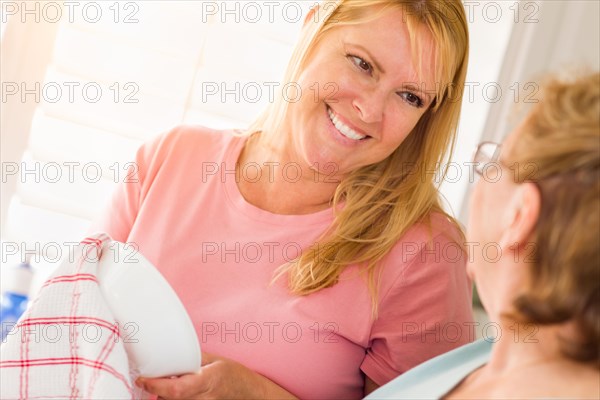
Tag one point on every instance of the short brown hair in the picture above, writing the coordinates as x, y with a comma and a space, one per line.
559, 150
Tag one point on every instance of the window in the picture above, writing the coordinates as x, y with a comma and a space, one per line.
84, 83
117, 74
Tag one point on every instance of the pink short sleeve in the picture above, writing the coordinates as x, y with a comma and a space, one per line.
426, 310
118, 217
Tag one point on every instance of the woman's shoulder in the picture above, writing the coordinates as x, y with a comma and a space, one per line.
194, 135
429, 261
440, 225
437, 232
186, 143
181, 148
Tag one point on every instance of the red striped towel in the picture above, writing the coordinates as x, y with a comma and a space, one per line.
67, 344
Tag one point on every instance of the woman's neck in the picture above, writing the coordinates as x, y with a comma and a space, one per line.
527, 362
521, 344
271, 177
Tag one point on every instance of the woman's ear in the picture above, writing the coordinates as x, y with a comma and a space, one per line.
523, 213
311, 13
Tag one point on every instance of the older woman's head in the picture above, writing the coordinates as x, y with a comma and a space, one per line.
542, 213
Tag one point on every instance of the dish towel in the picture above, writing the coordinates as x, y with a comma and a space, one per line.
67, 344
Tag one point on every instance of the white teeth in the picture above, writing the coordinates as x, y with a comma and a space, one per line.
344, 130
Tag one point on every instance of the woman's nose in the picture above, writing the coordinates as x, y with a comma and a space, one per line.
369, 105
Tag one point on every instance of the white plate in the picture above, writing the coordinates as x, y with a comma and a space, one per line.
157, 332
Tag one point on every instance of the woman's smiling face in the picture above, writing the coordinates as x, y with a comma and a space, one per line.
361, 94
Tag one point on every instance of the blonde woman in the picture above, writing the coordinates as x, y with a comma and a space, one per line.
543, 293
307, 249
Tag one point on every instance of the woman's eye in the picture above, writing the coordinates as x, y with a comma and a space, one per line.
360, 63
412, 99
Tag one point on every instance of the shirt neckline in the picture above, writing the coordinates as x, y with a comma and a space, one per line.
234, 196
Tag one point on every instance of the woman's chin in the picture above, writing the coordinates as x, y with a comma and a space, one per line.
325, 163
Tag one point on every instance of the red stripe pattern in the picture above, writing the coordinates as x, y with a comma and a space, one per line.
68, 345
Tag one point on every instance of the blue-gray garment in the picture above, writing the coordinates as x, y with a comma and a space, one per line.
435, 378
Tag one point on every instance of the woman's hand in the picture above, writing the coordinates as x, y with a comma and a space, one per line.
219, 378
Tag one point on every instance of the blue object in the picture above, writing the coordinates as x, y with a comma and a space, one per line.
12, 307
14, 299
437, 377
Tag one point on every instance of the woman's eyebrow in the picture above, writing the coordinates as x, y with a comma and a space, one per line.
415, 88
410, 86
373, 59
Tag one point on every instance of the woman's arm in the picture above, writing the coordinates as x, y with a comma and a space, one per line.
426, 305
220, 378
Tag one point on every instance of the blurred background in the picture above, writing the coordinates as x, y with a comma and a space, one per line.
84, 83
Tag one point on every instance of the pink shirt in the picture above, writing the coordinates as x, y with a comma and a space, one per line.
219, 253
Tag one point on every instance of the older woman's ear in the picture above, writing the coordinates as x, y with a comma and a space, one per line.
522, 214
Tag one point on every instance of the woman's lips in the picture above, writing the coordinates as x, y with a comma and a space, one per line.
348, 134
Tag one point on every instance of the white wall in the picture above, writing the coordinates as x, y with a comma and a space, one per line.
564, 36
490, 27
511, 42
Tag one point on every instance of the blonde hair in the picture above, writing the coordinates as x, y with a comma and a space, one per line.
382, 201
559, 149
